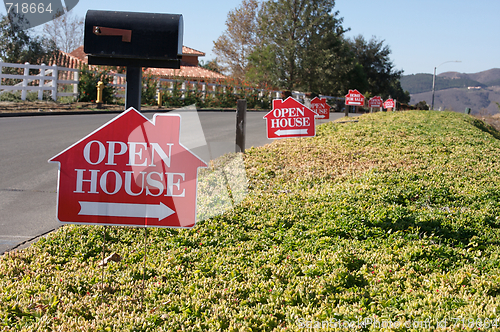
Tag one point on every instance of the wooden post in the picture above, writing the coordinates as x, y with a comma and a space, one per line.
183, 89
76, 78
241, 115
24, 91
55, 77
346, 108
42, 81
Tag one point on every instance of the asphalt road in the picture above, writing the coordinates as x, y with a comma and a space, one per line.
28, 183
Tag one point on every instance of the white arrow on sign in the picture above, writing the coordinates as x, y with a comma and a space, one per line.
160, 211
291, 132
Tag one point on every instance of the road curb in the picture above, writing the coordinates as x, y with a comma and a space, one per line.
43, 113
27, 243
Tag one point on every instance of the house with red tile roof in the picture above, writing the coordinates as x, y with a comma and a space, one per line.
189, 70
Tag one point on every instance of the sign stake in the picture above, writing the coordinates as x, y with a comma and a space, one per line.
144, 263
102, 263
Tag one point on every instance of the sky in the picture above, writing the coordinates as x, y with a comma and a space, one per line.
421, 34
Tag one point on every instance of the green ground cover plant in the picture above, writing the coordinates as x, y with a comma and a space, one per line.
393, 219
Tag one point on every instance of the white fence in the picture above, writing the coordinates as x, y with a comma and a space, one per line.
169, 86
48, 80
207, 88
120, 84
46, 73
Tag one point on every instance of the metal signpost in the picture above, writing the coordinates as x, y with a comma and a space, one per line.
131, 171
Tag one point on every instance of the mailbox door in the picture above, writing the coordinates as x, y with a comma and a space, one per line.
128, 38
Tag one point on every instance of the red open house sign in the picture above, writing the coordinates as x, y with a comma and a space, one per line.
290, 118
320, 106
130, 172
375, 102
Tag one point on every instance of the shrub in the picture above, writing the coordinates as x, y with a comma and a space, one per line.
422, 105
87, 87
148, 94
10, 96
30, 96
224, 97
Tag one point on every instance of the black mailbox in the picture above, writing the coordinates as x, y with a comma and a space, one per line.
133, 39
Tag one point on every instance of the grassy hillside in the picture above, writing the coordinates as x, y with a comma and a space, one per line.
394, 218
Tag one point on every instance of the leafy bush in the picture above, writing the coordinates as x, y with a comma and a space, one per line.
422, 105
173, 98
10, 96
223, 97
30, 96
87, 87
148, 94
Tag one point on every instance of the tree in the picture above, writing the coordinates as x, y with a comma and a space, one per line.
238, 40
66, 32
329, 69
212, 65
380, 77
422, 105
397, 92
18, 46
299, 45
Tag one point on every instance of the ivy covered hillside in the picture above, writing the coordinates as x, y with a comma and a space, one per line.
394, 219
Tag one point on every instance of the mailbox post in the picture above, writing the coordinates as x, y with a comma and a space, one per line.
134, 88
133, 40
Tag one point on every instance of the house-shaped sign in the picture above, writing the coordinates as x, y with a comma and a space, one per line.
129, 172
320, 106
375, 102
354, 98
389, 103
290, 118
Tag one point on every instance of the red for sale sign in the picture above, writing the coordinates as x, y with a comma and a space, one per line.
354, 98
130, 172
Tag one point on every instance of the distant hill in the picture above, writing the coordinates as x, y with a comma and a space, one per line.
487, 77
419, 83
458, 99
456, 91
